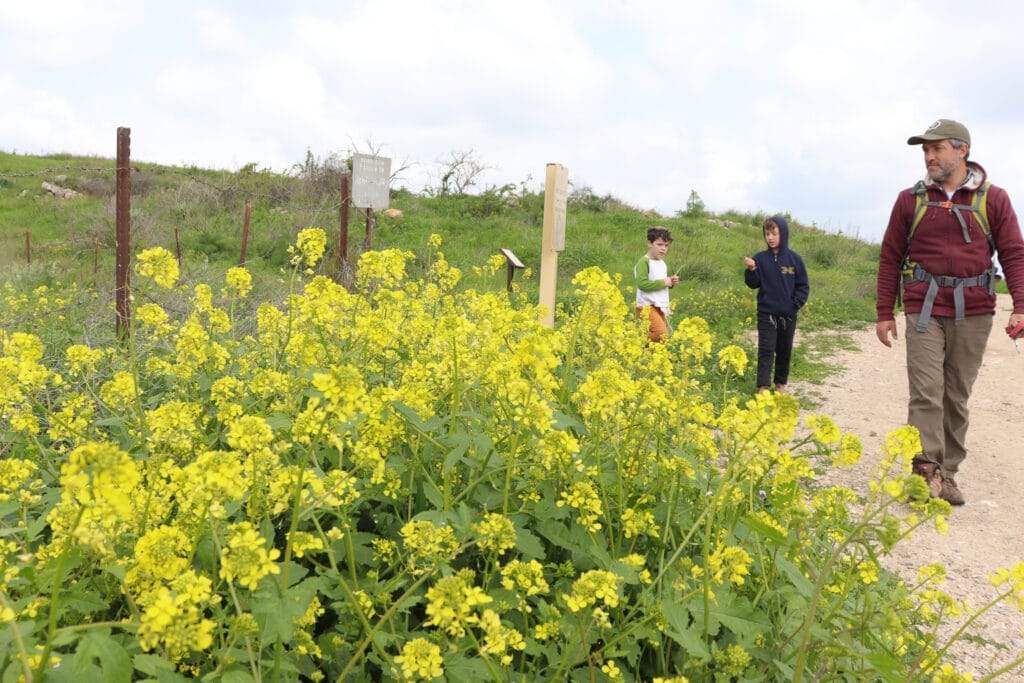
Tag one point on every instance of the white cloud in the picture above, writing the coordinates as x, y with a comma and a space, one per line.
67, 31
793, 106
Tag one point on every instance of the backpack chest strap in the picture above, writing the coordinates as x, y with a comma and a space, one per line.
956, 209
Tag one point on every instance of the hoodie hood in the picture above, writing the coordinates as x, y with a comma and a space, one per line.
975, 177
783, 232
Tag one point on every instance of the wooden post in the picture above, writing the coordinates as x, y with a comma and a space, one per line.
556, 192
123, 236
28, 248
177, 246
95, 255
245, 232
346, 200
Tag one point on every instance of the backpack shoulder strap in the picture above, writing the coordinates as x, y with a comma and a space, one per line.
980, 208
921, 204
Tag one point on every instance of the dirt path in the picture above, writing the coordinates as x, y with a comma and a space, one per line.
868, 397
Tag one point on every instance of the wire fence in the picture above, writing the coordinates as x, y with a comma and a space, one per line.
326, 189
233, 188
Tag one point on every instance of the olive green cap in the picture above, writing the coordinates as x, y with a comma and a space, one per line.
943, 129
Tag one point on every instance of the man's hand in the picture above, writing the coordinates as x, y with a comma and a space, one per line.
1015, 318
886, 329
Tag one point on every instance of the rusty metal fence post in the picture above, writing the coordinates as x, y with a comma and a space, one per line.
123, 237
346, 200
245, 233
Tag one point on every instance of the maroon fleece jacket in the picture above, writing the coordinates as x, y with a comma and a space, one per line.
938, 246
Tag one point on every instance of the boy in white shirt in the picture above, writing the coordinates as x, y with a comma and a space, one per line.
653, 283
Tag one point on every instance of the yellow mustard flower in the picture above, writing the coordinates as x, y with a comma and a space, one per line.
732, 357
239, 282
497, 533
245, 556
592, 587
158, 264
420, 660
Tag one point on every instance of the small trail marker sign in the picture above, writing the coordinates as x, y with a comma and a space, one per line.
370, 178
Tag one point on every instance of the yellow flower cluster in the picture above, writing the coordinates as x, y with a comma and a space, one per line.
99, 496
526, 578
497, 533
158, 264
730, 562
453, 601
584, 499
733, 358
174, 618
245, 556
732, 661
594, 586
636, 522
420, 660
239, 282
22, 378
428, 544
309, 248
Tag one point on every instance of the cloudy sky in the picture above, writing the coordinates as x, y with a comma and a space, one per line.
799, 106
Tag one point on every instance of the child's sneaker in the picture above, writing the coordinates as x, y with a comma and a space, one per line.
932, 475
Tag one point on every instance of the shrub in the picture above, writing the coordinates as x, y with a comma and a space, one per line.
97, 186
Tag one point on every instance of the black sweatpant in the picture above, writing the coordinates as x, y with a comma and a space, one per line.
774, 346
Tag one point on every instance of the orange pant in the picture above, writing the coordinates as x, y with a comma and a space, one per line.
656, 317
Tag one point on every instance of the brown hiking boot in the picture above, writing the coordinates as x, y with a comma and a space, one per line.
951, 492
929, 471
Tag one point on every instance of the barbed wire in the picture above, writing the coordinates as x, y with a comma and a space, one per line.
221, 189
54, 169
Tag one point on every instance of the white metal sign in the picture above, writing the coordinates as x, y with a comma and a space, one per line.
370, 176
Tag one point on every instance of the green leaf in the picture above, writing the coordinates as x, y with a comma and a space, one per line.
761, 527
237, 674
459, 668
431, 424
85, 603
682, 629
528, 544
795, 576
458, 445
887, 666
431, 493
277, 613
741, 618
568, 538
114, 662
279, 422
156, 667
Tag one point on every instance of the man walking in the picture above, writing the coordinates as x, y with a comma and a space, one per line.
938, 247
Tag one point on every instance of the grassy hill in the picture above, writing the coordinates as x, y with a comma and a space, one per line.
202, 210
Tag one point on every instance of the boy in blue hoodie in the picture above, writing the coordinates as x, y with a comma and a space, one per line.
780, 278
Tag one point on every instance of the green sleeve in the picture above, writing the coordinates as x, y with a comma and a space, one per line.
642, 273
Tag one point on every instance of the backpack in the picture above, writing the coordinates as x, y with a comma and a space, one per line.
910, 271
979, 208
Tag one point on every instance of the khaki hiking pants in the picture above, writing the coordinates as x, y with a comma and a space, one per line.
942, 364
